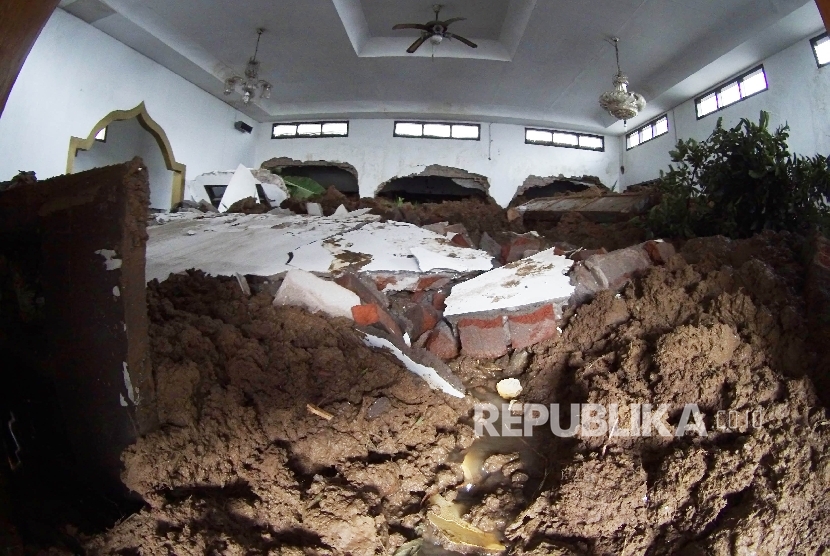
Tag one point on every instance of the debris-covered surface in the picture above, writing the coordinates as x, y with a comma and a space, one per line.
251, 462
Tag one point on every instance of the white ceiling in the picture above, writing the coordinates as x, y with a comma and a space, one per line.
539, 62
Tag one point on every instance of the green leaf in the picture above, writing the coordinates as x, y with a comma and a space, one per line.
302, 187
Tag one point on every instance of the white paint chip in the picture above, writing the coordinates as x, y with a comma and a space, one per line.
132, 393
116, 291
537, 279
110, 262
430, 375
303, 289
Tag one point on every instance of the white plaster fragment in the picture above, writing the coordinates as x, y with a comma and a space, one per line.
314, 209
341, 211
242, 185
110, 262
116, 291
122, 400
536, 279
132, 393
430, 375
303, 289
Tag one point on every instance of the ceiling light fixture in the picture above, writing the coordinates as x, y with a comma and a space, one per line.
621, 103
248, 85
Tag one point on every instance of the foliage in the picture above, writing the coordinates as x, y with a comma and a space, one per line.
741, 181
302, 188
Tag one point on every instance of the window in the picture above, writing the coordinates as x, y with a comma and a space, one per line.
651, 130
821, 49
556, 138
437, 130
748, 84
102, 135
310, 129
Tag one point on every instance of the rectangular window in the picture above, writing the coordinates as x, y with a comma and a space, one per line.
310, 129
570, 139
736, 90
102, 135
821, 49
651, 130
437, 130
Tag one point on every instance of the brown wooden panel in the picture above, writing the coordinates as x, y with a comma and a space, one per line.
824, 8
20, 24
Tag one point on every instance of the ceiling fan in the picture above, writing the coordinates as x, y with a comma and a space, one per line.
435, 31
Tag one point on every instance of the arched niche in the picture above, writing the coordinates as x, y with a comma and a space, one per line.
175, 171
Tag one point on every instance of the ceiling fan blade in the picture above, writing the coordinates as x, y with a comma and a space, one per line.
419, 26
452, 20
415, 45
468, 42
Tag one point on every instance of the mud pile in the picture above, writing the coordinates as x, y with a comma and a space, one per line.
242, 465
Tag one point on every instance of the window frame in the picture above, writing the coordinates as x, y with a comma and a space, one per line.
726, 84
563, 145
813, 43
642, 127
321, 136
423, 123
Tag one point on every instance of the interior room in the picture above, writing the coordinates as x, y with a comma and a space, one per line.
403, 277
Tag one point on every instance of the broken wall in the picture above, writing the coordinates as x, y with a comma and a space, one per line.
797, 95
500, 155
75, 75
74, 306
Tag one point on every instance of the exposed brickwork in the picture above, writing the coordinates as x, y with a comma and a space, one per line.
659, 251
365, 289
516, 247
531, 328
485, 338
442, 342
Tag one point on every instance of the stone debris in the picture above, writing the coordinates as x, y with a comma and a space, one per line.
509, 388
305, 290
314, 209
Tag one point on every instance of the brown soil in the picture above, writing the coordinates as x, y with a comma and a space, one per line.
242, 467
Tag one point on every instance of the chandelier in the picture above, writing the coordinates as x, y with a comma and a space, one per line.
248, 85
621, 103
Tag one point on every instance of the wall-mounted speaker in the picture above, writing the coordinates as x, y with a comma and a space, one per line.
243, 127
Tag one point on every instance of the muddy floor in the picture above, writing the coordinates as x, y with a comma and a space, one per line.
380, 464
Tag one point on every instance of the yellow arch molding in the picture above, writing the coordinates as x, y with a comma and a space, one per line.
140, 112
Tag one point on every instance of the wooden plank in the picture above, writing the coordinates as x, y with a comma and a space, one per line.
20, 24
824, 8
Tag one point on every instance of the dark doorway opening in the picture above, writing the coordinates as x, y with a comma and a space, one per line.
428, 189
327, 176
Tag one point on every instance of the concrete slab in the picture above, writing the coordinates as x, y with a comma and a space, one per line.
248, 244
534, 280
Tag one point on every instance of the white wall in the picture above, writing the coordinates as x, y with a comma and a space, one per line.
798, 94
76, 75
124, 140
501, 154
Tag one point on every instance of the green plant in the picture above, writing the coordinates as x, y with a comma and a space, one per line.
738, 182
302, 188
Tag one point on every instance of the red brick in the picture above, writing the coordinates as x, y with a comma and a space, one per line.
431, 282
422, 317
365, 289
485, 338
370, 314
365, 315
459, 240
442, 342
490, 245
381, 281
439, 297
583, 254
531, 328
659, 251
515, 248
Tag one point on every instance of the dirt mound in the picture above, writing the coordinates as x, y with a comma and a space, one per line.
242, 466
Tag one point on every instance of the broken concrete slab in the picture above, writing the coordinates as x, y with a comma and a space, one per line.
445, 382
221, 245
608, 208
535, 280
242, 185
303, 289
389, 247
